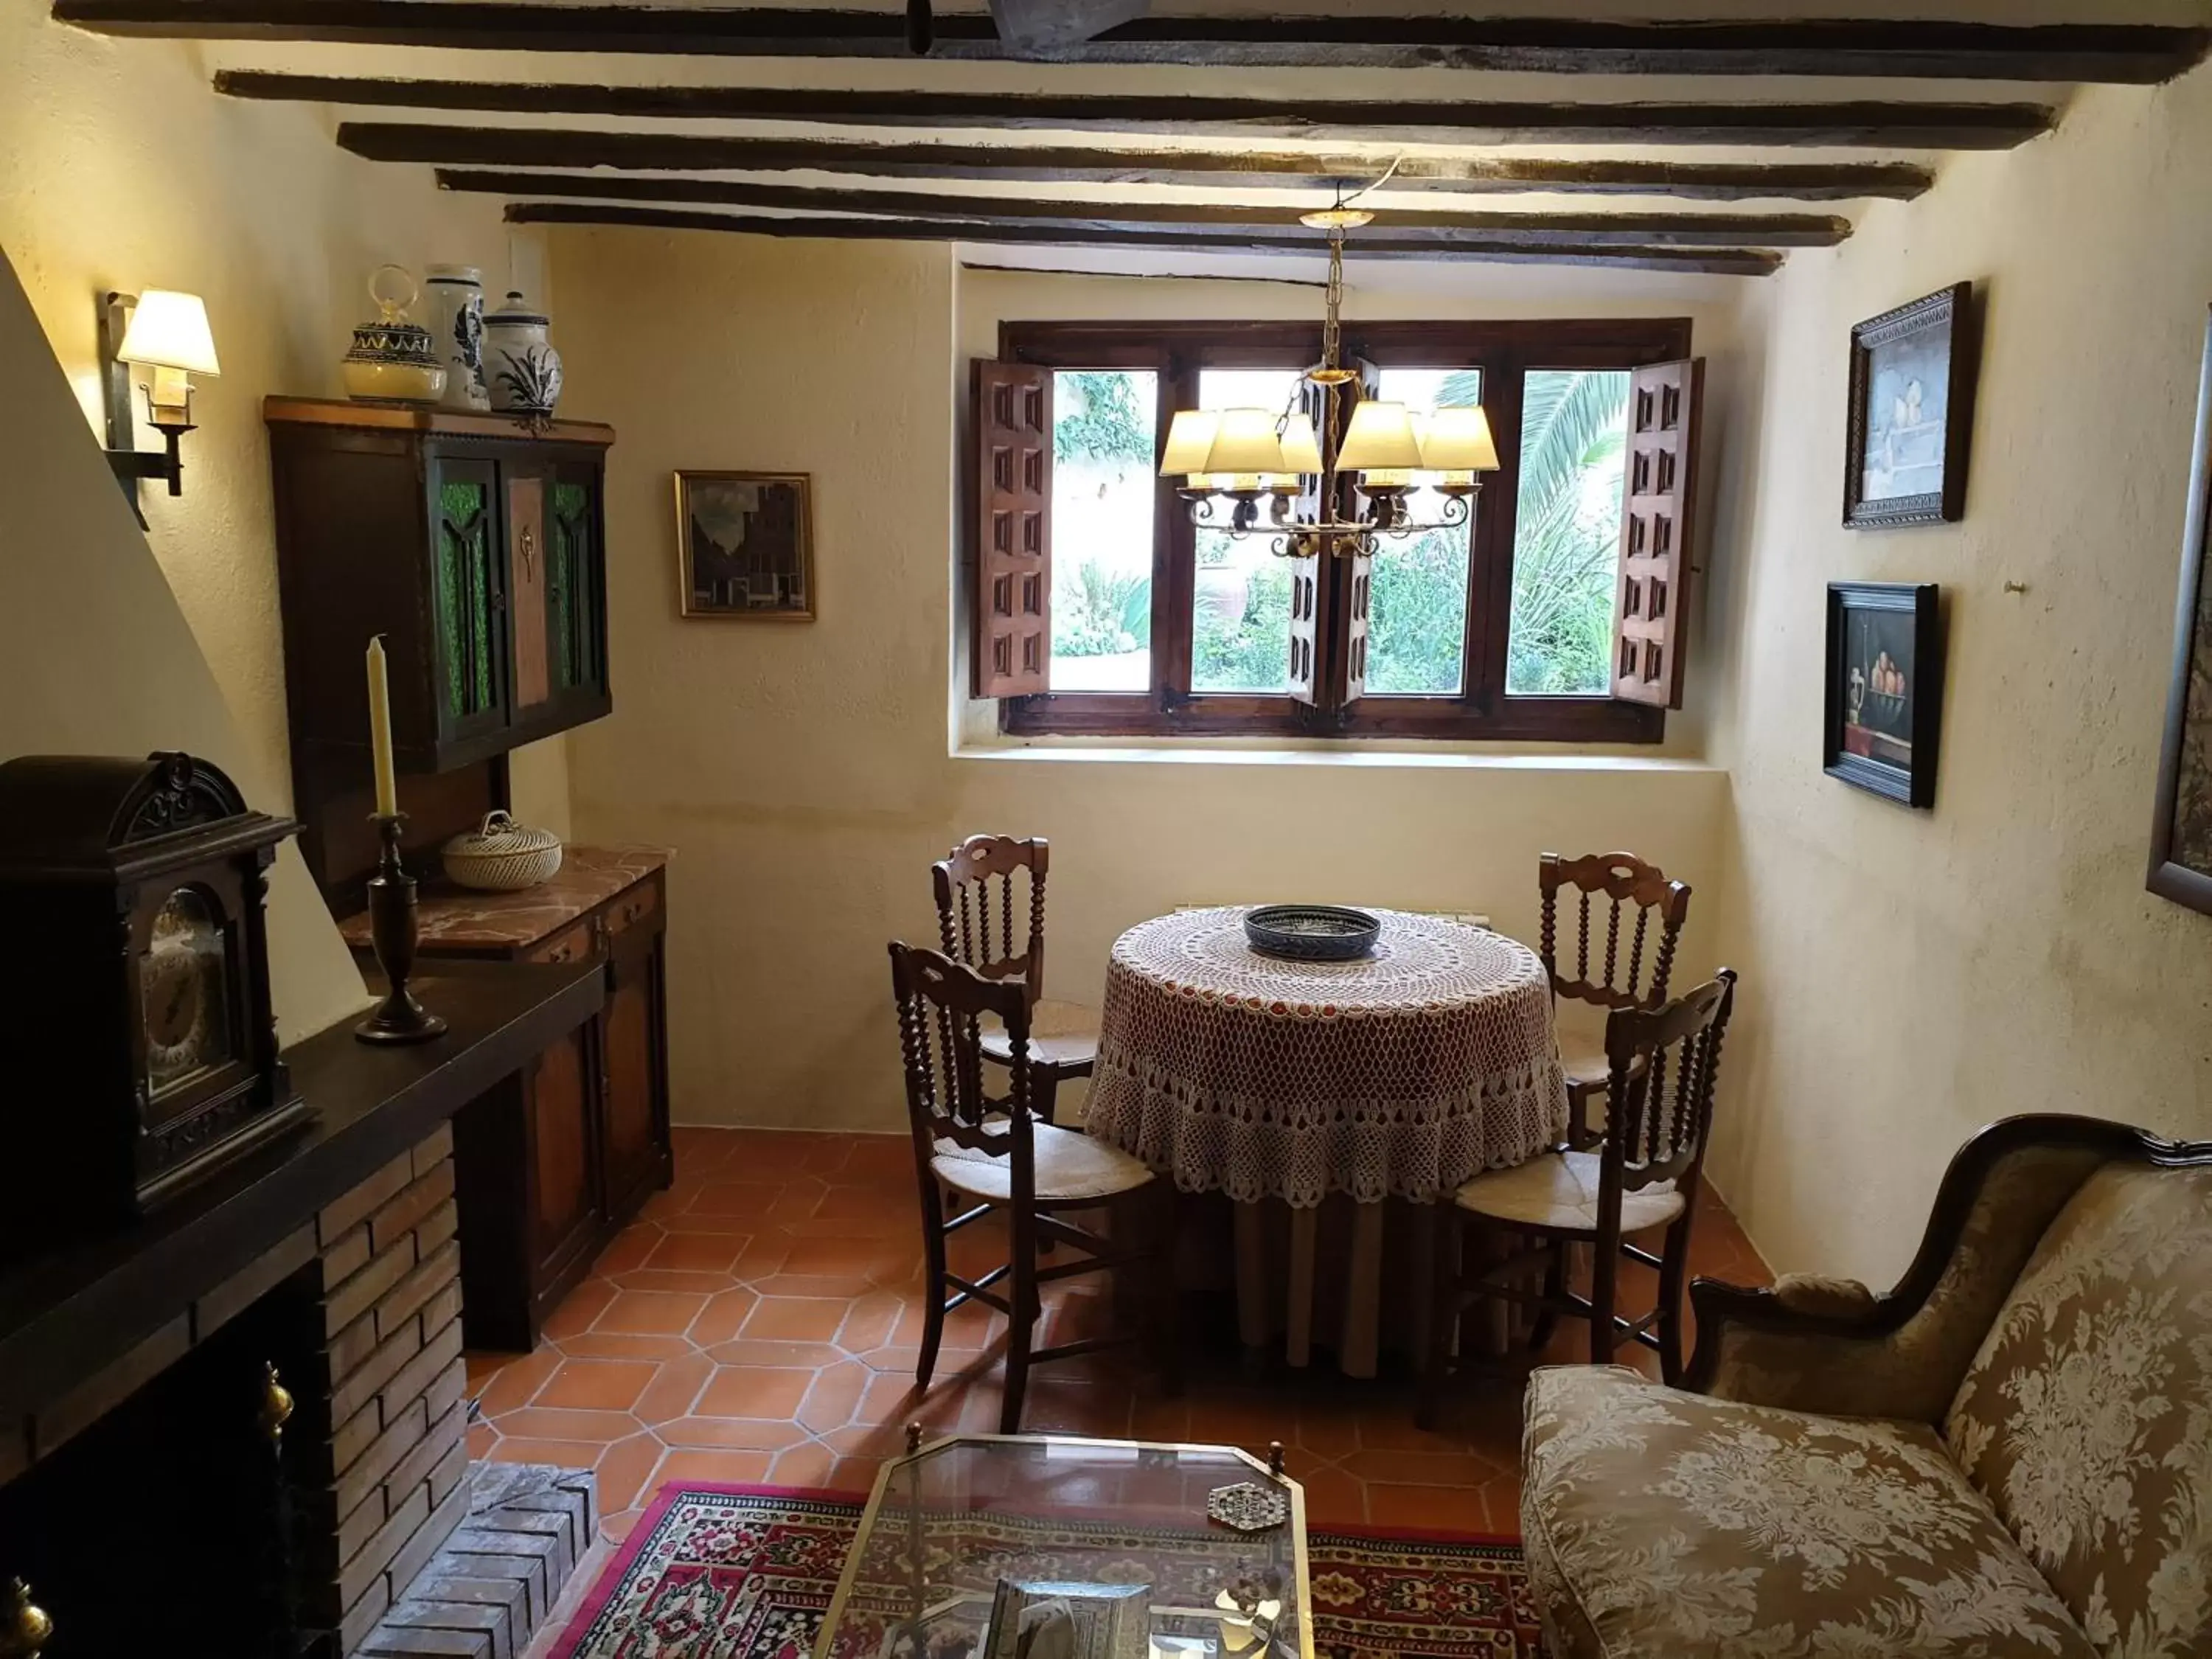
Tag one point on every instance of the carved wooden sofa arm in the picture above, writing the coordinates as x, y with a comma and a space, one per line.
1833, 1346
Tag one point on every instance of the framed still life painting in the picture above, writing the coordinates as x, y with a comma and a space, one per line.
746, 544
1885, 687
2181, 828
1912, 413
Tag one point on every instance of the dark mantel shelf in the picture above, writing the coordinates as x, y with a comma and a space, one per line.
65, 1315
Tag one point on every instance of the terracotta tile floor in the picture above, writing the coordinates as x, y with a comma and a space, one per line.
758, 1323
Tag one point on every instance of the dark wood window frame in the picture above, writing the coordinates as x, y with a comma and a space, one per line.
1505, 352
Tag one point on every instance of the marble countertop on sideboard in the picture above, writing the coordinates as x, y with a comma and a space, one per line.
458, 918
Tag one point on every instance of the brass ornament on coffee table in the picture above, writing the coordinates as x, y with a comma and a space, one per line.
1248, 1506
399, 1018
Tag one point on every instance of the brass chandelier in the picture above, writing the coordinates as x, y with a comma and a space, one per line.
1261, 463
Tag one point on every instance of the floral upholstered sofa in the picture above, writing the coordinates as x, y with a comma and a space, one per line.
2008, 1454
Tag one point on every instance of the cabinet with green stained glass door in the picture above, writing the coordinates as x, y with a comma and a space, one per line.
475, 546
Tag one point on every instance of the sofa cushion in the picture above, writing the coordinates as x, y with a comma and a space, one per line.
2086, 1416
1659, 1523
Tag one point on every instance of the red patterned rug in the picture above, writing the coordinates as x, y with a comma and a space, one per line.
747, 1572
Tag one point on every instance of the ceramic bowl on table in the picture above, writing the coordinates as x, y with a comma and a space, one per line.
1312, 932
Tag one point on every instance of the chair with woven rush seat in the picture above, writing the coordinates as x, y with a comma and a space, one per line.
1662, 1065
996, 1152
1624, 881
977, 878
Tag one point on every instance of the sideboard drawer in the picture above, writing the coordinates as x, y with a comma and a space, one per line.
571, 944
627, 909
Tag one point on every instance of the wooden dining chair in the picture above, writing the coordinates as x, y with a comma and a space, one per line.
1625, 883
979, 887
994, 1154
1664, 1063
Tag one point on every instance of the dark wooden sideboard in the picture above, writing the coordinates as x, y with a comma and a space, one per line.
555, 1159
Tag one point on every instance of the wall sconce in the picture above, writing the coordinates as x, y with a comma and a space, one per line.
166, 332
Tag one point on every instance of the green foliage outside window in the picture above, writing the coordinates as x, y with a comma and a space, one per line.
1574, 425
1101, 612
1097, 418
1252, 654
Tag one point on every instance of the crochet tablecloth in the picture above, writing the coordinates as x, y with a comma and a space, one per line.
1399, 1075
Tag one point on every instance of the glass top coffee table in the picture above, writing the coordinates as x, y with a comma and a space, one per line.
1114, 1535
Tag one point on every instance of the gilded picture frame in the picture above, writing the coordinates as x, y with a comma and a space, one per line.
745, 545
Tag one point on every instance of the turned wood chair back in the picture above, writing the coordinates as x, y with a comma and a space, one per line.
979, 888
1624, 883
941, 1004
1664, 1064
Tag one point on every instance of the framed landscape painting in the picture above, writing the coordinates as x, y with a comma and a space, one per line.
1885, 687
2181, 828
1912, 412
746, 544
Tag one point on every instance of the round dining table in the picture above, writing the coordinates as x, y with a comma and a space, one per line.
1397, 1075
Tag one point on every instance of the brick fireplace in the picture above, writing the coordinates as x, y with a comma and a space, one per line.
140, 1494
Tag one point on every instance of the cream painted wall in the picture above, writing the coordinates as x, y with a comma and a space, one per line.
96, 657
120, 168
1912, 975
803, 772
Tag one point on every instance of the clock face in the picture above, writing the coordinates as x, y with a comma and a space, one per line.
183, 992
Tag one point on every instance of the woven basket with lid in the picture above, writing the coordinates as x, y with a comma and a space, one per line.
501, 856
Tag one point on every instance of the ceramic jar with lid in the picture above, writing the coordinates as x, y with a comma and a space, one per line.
457, 325
522, 368
392, 360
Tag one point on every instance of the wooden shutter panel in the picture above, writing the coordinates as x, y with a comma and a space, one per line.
1651, 610
1358, 575
1306, 574
1011, 643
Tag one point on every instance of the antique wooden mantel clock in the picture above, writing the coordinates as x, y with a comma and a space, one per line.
140, 978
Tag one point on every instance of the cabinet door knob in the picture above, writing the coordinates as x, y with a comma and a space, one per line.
528, 544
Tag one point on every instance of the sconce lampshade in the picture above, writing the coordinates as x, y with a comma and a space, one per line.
169, 329
1381, 437
1190, 440
1458, 440
1301, 454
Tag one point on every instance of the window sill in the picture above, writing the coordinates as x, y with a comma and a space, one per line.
1426, 756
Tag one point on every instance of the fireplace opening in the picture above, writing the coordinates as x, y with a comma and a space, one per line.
163, 1522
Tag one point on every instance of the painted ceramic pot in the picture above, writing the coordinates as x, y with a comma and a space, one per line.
521, 368
392, 360
456, 323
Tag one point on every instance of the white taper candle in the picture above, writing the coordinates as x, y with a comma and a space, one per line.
379, 730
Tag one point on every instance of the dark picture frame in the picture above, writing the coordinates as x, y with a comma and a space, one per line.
1884, 716
1903, 468
2181, 826
745, 545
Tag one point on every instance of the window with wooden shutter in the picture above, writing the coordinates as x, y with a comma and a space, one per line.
1011, 641
1505, 629
1651, 618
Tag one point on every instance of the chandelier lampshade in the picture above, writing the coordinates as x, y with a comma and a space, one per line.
1456, 442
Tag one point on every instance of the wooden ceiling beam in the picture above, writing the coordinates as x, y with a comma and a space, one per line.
1857, 123
1442, 226
1733, 262
1909, 47
1823, 181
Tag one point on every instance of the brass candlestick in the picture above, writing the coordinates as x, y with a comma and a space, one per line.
399, 1018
